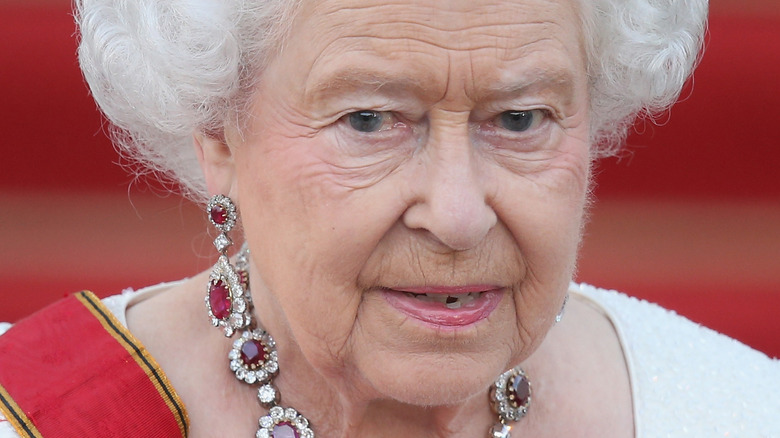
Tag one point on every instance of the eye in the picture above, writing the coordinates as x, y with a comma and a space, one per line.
367, 121
520, 121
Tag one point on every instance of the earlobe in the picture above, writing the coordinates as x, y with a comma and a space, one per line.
216, 161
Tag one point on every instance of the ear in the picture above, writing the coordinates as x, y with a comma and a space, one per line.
216, 161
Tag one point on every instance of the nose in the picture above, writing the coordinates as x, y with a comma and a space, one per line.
451, 202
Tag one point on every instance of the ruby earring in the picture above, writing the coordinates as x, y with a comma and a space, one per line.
510, 398
227, 295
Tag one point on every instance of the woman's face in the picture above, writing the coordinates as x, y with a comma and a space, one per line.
403, 147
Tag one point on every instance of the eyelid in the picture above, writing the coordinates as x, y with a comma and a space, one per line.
494, 109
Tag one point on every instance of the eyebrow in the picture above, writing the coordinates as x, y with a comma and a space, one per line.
560, 80
357, 79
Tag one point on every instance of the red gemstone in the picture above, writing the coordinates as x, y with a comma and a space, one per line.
219, 299
519, 390
284, 430
252, 353
219, 215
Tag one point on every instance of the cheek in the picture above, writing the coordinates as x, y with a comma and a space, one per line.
545, 215
310, 238
544, 209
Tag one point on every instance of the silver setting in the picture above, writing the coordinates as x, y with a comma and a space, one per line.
222, 242
278, 415
228, 206
240, 315
264, 371
236, 283
501, 399
263, 374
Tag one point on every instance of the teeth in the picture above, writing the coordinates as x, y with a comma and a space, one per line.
449, 301
455, 304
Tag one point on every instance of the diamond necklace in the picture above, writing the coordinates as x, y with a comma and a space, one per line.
254, 361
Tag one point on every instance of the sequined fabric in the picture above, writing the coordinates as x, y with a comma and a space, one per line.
689, 381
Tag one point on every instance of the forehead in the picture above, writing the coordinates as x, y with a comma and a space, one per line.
420, 17
420, 43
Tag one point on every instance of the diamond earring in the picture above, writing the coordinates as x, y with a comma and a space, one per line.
562, 312
227, 297
510, 397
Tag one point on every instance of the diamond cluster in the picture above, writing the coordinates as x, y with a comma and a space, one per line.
222, 213
224, 274
259, 366
281, 422
511, 395
254, 360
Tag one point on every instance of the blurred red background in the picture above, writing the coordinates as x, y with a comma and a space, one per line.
688, 216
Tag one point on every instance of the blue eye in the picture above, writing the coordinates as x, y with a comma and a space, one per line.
519, 121
366, 121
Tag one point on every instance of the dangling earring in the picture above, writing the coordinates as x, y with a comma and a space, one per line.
227, 299
510, 397
562, 312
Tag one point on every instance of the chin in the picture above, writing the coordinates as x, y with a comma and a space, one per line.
425, 380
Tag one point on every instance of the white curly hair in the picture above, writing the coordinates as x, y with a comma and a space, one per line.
162, 70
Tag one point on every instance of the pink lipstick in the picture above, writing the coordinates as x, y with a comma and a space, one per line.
448, 306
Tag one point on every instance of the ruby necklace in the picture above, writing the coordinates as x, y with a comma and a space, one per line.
254, 361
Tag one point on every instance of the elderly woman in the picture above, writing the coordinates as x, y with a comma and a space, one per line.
410, 179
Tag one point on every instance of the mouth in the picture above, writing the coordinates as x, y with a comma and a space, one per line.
451, 307
455, 301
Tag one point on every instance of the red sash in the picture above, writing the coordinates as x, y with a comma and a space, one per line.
73, 370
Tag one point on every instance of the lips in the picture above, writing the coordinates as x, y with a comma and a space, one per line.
457, 306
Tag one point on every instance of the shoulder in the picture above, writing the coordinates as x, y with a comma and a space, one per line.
119, 303
688, 379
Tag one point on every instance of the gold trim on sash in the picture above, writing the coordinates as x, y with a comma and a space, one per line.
140, 355
16, 416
